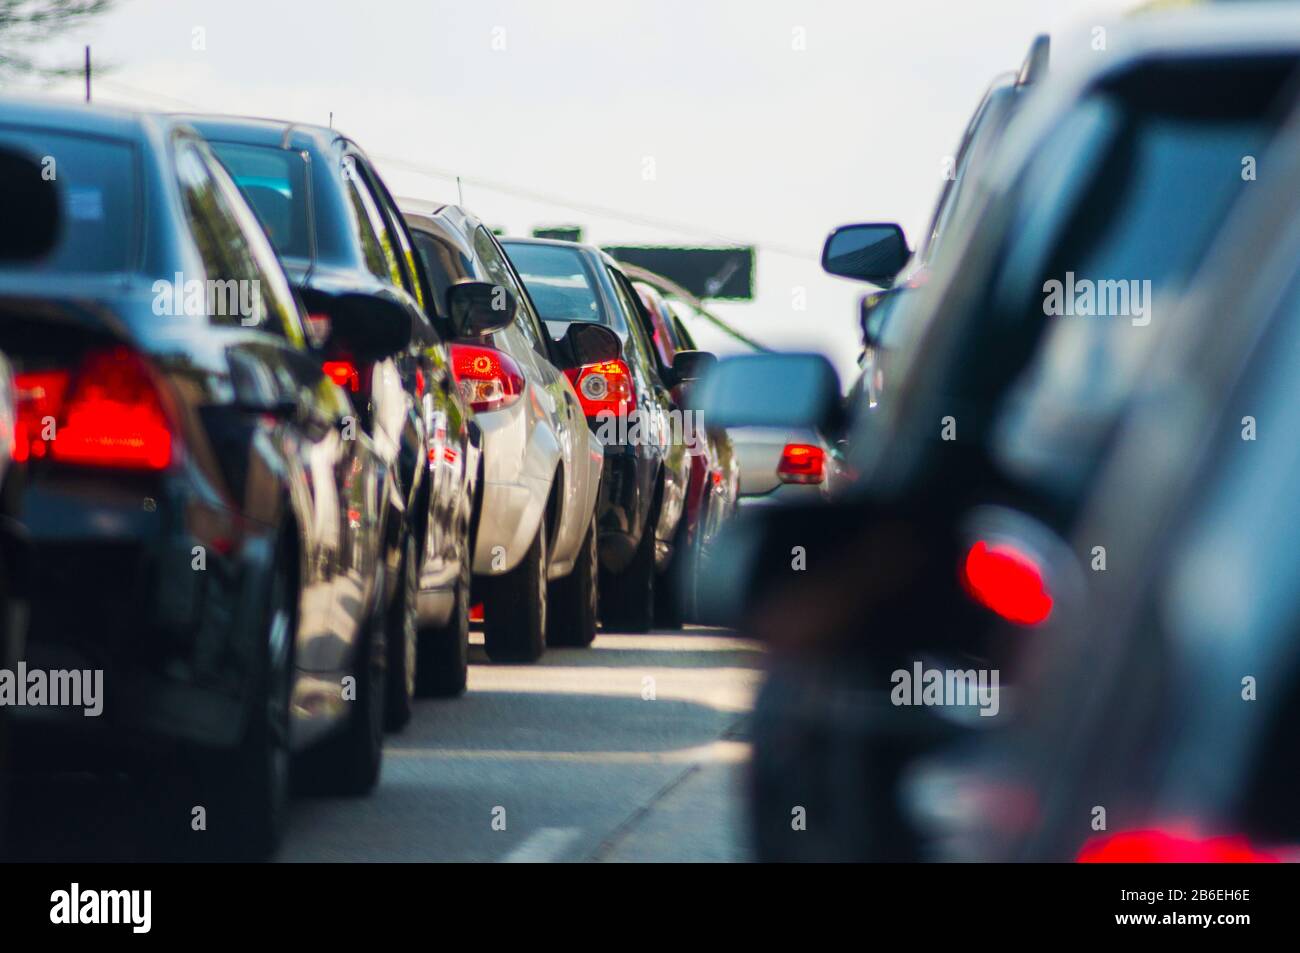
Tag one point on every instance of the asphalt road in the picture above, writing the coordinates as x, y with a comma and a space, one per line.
630, 750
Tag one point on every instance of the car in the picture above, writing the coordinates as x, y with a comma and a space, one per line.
715, 471
341, 238
33, 201
535, 558
1001, 415
200, 532
627, 403
882, 315
1158, 702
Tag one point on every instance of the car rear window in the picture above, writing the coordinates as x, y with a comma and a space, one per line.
99, 191
558, 279
274, 181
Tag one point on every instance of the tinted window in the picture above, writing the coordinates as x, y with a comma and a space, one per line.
1157, 188
274, 181
100, 194
559, 281
376, 244
443, 263
498, 269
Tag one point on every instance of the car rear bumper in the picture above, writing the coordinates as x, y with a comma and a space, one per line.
155, 598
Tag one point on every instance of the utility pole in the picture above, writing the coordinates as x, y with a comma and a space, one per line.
87, 74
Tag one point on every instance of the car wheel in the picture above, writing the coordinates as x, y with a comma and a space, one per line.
514, 608
574, 598
247, 791
627, 598
399, 694
348, 763
443, 667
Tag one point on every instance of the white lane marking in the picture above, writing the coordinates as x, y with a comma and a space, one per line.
543, 846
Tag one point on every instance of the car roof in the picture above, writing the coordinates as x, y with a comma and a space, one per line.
92, 120
282, 133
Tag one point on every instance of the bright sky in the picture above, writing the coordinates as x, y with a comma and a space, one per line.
764, 122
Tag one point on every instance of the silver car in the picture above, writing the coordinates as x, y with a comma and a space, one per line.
535, 563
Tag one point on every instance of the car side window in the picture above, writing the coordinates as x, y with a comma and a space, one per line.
376, 242
284, 316
233, 291
499, 272
414, 279
635, 320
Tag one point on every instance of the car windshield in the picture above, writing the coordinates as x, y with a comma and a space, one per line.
558, 280
99, 194
274, 181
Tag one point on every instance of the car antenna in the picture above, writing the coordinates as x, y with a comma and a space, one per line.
87, 74
331, 119
460, 193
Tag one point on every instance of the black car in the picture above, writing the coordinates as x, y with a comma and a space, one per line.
629, 405
1156, 721
206, 561
342, 240
883, 315
1008, 401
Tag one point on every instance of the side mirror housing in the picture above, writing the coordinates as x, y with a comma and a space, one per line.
478, 307
369, 327
31, 204
793, 391
588, 343
875, 252
692, 365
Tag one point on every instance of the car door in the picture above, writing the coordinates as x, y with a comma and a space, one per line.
658, 419
562, 404
440, 426
332, 463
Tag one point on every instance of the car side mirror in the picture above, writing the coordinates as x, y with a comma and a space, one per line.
692, 365
792, 391
31, 204
587, 343
479, 307
370, 327
874, 252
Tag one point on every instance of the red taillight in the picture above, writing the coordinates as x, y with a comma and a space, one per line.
476, 612
802, 463
343, 373
604, 388
1165, 847
109, 413
487, 378
1007, 581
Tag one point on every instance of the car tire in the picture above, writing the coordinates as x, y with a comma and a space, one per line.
575, 598
402, 641
627, 598
515, 607
246, 791
349, 762
443, 667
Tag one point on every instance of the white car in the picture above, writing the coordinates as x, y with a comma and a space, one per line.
535, 562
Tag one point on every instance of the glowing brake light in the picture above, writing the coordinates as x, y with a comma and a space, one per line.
1002, 578
343, 373
1166, 847
802, 463
604, 388
108, 413
487, 378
